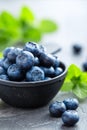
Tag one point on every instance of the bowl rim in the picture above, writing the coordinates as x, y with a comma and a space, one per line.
36, 83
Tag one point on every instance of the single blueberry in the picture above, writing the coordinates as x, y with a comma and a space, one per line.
46, 60
84, 66
6, 63
77, 48
42, 49
7, 50
15, 73
49, 72
32, 47
25, 60
58, 71
56, 62
56, 109
71, 103
35, 74
13, 54
70, 117
1, 62
2, 71
36, 61
47, 78
4, 77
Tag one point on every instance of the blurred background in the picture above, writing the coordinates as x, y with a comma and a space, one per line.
54, 23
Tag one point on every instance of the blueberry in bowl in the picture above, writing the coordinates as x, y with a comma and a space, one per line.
25, 84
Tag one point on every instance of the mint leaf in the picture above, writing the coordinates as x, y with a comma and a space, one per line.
73, 71
30, 33
80, 90
47, 26
67, 86
7, 20
1, 55
27, 15
76, 82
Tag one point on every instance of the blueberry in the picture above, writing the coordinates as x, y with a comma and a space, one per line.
84, 66
2, 71
1, 62
6, 63
25, 60
15, 73
42, 49
56, 62
13, 54
7, 50
70, 117
47, 78
46, 60
71, 103
36, 61
58, 71
32, 47
4, 77
77, 48
56, 109
35, 74
49, 72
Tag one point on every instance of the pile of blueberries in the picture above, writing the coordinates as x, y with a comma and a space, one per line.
32, 63
66, 110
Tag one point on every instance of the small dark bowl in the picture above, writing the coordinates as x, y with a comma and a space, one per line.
31, 94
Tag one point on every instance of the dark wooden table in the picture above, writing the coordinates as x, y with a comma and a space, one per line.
39, 119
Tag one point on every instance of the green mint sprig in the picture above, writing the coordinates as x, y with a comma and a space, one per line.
76, 82
25, 27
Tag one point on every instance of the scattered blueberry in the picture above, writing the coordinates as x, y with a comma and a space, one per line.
15, 73
35, 74
71, 103
58, 71
77, 48
84, 66
4, 77
2, 71
70, 117
56, 109
25, 60
32, 47
6, 63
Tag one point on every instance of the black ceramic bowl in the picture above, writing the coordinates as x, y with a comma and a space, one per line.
31, 94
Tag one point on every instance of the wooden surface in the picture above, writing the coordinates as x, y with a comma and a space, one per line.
38, 119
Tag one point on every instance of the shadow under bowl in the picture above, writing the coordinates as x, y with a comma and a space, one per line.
31, 94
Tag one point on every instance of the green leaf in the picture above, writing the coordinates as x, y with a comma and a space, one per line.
7, 20
27, 15
73, 71
47, 26
29, 33
67, 86
1, 55
80, 90
83, 77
